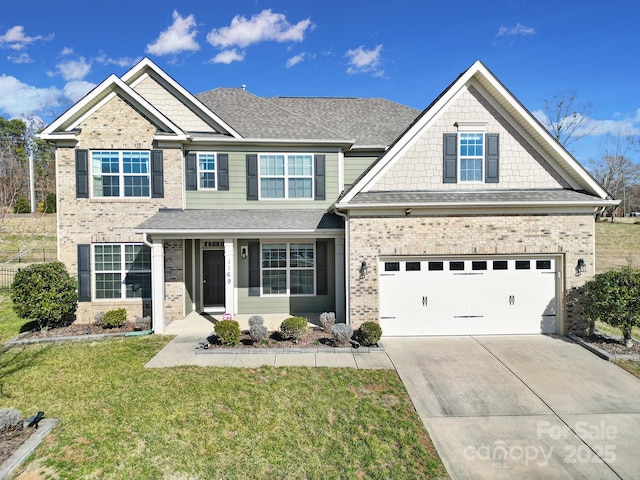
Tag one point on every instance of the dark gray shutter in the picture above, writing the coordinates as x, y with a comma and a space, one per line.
322, 278
450, 165
84, 273
223, 171
252, 176
191, 171
82, 173
319, 177
157, 174
254, 269
492, 163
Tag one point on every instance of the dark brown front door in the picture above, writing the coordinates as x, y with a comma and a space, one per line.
213, 272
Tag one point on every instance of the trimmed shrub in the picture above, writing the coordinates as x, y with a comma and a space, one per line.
98, 318
228, 332
342, 334
143, 323
46, 293
368, 334
327, 320
114, 318
614, 298
258, 333
10, 420
294, 328
256, 320
22, 205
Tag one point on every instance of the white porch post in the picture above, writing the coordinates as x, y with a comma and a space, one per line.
157, 285
229, 276
340, 280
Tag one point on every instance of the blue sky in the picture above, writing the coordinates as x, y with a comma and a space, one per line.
51, 54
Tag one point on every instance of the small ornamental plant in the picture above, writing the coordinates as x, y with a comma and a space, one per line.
327, 320
368, 334
258, 333
256, 320
114, 318
294, 328
10, 420
342, 334
228, 332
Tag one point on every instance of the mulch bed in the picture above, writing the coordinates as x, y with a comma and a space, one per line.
76, 329
612, 345
314, 338
11, 441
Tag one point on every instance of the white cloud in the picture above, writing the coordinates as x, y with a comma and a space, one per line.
265, 26
74, 69
77, 89
15, 38
18, 99
296, 59
179, 37
66, 51
518, 29
123, 62
22, 58
228, 56
365, 61
593, 127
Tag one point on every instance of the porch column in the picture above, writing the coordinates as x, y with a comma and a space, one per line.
157, 286
229, 276
339, 282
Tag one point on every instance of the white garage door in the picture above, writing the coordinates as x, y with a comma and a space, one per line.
459, 296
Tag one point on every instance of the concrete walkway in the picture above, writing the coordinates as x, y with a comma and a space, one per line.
182, 350
526, 407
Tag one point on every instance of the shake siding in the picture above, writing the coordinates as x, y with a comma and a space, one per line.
236, 196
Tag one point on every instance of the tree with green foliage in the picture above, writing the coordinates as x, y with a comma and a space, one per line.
46, 293
614, 298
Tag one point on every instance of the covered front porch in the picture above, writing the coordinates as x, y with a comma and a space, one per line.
273, 263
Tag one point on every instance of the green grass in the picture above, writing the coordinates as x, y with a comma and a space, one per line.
617, 244
120, 420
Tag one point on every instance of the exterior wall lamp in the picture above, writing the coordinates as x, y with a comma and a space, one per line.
581, 267
243, 252
363, 270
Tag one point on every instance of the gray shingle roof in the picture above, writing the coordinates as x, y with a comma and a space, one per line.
240, 221
473, 197
367, 121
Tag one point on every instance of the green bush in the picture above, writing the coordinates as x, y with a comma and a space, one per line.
46, 293
368, 334
114, 318
228, 332
294, 328
614, 298
22, 205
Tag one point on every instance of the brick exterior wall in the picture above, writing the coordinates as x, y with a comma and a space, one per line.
116, 125
571, 236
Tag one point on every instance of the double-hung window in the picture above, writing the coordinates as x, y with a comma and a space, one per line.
288, 268
471, 155
207, 171
122, 271
286, 176
118, 173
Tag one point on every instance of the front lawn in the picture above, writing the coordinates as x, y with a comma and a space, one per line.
120, 420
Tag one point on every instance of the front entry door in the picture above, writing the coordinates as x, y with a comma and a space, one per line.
213, 277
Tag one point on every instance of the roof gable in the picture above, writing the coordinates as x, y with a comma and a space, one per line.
559, 168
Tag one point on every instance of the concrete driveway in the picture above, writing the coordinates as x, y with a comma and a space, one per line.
522, 406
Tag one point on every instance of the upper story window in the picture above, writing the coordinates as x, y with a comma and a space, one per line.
286, 175
207, 171
118, 173
471, 148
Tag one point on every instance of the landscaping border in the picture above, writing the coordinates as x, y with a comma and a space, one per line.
19, 456
610, 357
71, 338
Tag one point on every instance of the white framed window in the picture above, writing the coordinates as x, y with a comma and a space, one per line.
122, 271
120, 173
207, 171
470, 156
288, 268
286, 176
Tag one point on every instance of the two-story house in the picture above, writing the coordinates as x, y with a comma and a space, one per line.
465, 218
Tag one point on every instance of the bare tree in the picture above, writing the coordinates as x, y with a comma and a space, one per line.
566, 117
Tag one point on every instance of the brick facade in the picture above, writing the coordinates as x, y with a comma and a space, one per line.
116, 125
569, 236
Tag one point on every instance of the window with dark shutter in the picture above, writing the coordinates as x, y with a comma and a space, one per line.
322, 279
191, 171
492, 170
252, 176
450, 158
319, 177
254, 269
82, 173
223, 171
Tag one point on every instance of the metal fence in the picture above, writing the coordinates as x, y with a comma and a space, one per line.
6, 277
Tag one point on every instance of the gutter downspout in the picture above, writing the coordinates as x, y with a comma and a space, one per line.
157, 293
347, 255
